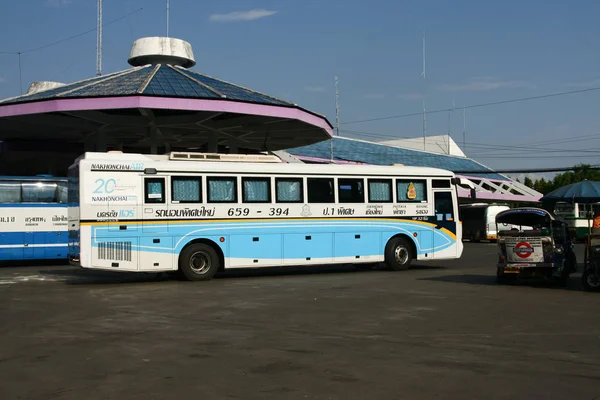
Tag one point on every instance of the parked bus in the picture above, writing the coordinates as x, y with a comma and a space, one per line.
33, 218
577, 217
200, 213
479, 221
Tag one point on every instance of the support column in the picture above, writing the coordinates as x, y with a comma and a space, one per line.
89, 142
212, 143
100, 141
153, 140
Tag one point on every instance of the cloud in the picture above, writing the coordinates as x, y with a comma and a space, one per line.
58, 3
249, 15
485, 83
410, 96
315, 89
592, 83
375, 96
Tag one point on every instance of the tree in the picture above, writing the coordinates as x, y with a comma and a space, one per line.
580, 173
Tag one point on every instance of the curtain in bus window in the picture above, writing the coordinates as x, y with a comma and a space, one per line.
186, 190
256, 190
380, 191
39, 192
154, 189
221, 190
290, 191
10, 192
411, 190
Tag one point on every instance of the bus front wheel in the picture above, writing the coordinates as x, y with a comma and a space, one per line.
199, 262
398, 254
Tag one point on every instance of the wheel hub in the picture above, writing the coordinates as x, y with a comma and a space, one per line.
200, 262
401, 255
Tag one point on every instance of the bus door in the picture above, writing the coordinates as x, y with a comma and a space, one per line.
445, 218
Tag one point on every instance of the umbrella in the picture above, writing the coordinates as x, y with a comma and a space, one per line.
580, 192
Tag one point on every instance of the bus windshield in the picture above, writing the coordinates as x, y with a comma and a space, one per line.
564, 208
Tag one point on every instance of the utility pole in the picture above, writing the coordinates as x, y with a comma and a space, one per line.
99, 41
424, 75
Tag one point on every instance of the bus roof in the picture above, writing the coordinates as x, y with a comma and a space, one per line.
164, 163
37, 178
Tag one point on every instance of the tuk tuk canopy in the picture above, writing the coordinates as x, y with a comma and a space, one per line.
525, 217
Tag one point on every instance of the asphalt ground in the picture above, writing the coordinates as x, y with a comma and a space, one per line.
442, 330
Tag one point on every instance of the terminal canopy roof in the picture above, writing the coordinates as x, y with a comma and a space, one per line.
162, 104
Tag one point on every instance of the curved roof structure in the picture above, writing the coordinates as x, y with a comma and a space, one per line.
489, 184
174, 105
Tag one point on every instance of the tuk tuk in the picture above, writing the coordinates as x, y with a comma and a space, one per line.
537, 246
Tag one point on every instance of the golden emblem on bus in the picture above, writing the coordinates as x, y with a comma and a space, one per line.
411, 192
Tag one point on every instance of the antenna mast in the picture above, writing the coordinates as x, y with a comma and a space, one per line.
450, 124
464, 129
337, 108
423, 74
99, 41
337, 118
168, 10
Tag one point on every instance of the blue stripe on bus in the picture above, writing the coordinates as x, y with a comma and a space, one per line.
279, 239
33, 205
47, 237
41, 245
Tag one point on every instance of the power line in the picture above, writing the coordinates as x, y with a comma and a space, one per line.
475, 105
541, 170
488, 148
71, 37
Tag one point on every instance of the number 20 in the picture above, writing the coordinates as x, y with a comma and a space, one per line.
107, 186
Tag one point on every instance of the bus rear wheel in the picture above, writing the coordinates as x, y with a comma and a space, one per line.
199, 262
398, 254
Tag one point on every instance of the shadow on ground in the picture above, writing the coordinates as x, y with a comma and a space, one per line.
574, 283
77, 276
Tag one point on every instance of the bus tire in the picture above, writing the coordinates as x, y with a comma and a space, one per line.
199, 262
398, 254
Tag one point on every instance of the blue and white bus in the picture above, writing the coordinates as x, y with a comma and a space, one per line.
33, 218
200, 213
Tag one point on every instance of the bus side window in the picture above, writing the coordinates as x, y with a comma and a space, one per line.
411, 190
39, 192
289, 190
256, 190
380, 190
63, 193
186, 189
154, 190
351, 190
320, 190
221, 189
10, 192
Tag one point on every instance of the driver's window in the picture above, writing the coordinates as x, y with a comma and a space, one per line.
444, 209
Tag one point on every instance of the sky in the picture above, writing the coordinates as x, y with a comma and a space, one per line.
477, 52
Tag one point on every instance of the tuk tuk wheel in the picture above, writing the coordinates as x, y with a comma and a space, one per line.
590, 281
